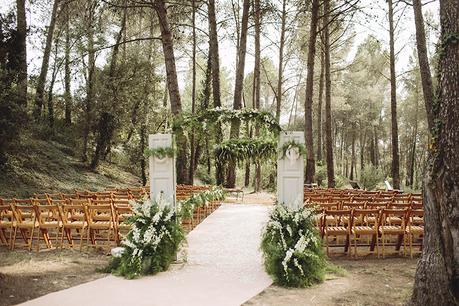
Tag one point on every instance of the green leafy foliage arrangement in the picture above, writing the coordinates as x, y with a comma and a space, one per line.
152, 243
292, 144
188, 206
160, 152
241, 149
291, 248
224, 115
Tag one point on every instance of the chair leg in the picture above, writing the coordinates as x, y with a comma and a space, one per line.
14, 238
81, 239
411, 246
326, 242
355, 245
383, 244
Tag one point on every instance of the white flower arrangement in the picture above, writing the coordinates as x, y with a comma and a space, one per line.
152, 242
292, 250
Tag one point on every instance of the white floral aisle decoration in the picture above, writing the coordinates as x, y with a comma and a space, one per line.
291, 247
152, 243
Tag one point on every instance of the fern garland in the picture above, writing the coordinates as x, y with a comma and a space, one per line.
239, 150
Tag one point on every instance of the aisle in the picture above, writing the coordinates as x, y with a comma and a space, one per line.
224, 268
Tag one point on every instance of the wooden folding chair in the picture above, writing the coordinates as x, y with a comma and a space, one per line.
365, 223
388, 228
415, 227
48, 220
7, 224
26, 223
73, 217
100, 218
123, 211
337, 228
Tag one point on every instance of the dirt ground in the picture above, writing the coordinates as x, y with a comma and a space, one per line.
365, 281
362, 281
27, 275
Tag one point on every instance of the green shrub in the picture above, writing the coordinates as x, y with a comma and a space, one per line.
204, 177
321, 173
152, 243
371, 177
341, 181
291, 248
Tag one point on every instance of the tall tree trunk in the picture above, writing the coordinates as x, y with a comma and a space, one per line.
22, 56
215, 67
351, 175
310, 162
193, 160
51, 87
172, 85
281, 61
393, 102
412, 153
238, 88
44, 64
319, 107
67, 72
106, 124
328, 118
256, 83
437, 274
89, 79
362, 140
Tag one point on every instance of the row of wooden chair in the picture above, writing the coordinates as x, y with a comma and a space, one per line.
83, 219
388, 226
83, 215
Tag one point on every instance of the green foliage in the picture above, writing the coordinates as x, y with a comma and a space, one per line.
371, 177
290, 145
341, 181
160, 152
241, 149
152, 243
321, 173
224, 115
291, 248
204, 177
188, 206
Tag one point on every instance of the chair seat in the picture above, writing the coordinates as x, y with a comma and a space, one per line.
415, 230
363, 230
336, 229
391, 229
7, 224
101, 225
27, 224
76, 225
51, 224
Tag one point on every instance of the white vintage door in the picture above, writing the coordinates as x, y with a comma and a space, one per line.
162, 171
290, 173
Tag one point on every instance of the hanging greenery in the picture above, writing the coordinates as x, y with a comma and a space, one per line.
188, 206
291, 144
152, 243
160, 152
238, 150
291, 248
223, 115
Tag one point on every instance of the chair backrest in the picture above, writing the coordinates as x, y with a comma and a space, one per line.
103, 195
342, 217
376, 205
69, 196
23, 201
96, 213
24, 213
41, 201
47, 213
388, 214
370, 217
352, 205
58, 202
40, 196
101, 202
415, 216
71, 212
6, 213
54, 196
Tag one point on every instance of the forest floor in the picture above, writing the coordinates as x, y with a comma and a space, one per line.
363, 281
40, 166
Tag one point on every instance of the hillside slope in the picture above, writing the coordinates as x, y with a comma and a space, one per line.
48, 166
